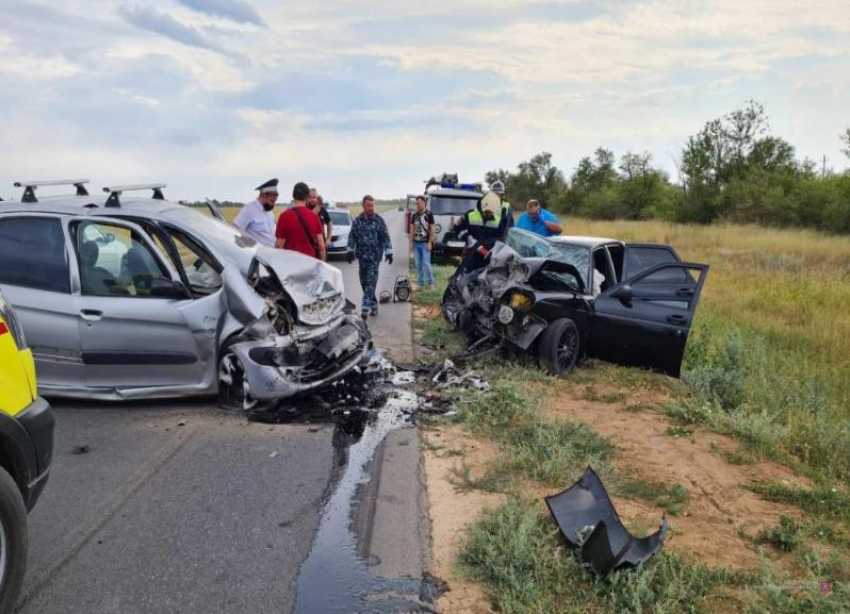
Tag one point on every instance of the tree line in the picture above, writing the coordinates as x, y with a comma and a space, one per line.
733, 169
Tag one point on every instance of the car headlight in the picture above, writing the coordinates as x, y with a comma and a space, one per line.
438, 229
13, 324
319, 310
521, 302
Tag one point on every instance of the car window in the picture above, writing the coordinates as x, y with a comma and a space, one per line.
33, 254
122, 265
662, 277
641, 258
201, 269
448, 205
341, 218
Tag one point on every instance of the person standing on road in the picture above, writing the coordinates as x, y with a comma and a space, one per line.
369, 241
539, 221
298, 228
421, 232
318, 207
256, 219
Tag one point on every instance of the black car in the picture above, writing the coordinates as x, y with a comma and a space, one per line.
569, 297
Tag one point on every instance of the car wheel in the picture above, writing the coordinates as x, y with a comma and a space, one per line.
14, 542
234, 391
558, 347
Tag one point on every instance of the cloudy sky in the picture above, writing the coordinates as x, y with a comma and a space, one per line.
215, 96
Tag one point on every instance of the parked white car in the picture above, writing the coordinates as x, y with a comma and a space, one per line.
341, 220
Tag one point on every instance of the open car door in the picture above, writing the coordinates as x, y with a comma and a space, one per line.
645, 320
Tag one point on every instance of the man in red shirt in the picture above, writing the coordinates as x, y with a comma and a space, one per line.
298, 228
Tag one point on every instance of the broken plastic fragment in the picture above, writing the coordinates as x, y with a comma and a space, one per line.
590, 524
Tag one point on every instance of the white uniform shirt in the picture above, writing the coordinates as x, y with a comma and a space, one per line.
256, 222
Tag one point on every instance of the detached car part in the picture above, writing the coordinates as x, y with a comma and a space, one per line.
591, 526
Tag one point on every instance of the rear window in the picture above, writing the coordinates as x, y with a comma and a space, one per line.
33, 254
447, 205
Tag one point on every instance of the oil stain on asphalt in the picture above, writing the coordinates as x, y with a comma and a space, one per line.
335, 577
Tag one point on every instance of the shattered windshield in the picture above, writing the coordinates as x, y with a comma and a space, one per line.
529, 245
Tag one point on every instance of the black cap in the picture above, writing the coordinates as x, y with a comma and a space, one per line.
269, 187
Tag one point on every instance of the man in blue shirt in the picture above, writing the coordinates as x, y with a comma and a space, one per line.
539, 221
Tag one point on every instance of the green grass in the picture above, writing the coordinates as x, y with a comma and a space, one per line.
516, 552
822, 501
785, 536
769, 356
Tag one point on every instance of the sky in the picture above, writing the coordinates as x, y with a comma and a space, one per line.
214, 97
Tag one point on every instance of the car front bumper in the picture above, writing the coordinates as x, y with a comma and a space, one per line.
277, 370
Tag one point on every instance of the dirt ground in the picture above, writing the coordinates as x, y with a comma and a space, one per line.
712, 526
453, 510
719, 509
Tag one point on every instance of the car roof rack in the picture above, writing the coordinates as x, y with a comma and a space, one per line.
31, 186
115, 192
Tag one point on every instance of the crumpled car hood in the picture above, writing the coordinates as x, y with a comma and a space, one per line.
307, 281
507, 268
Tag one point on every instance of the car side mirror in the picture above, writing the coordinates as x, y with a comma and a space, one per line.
167, 288
624, 294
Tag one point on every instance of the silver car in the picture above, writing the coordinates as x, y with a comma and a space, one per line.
128, 297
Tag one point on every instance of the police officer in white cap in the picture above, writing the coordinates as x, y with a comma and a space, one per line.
256, 219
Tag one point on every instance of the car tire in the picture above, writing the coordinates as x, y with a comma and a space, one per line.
14, 542
234, 393
558, 346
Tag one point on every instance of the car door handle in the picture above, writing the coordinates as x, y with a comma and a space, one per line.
677, 319
684, 292
91, 315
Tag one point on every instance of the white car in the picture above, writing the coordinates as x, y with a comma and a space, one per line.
341, 220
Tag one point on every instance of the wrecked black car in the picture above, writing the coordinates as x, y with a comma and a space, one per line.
570, 297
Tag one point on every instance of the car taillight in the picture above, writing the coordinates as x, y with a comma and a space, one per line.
11, 324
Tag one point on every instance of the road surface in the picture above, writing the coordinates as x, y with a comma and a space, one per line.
178, 506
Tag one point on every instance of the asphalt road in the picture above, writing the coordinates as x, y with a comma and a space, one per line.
167, 507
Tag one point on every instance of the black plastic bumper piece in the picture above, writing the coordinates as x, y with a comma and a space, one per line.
29, 444
591, 526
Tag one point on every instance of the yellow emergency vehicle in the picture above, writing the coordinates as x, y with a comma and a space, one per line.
26, 448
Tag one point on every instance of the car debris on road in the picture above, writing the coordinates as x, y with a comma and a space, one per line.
591, 526
565, 298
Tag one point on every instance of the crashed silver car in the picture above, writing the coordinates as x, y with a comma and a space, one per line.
138, 297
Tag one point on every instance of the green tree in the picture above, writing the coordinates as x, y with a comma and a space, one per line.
845, 138
536, 178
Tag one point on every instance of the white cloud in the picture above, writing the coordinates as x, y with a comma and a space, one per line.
365, 95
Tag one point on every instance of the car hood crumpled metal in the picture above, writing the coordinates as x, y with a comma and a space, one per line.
508, 268
305, 279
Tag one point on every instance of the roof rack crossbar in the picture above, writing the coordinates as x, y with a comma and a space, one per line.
31, 186
116, 190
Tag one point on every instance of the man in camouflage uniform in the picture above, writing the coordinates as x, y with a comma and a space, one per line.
369, 241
